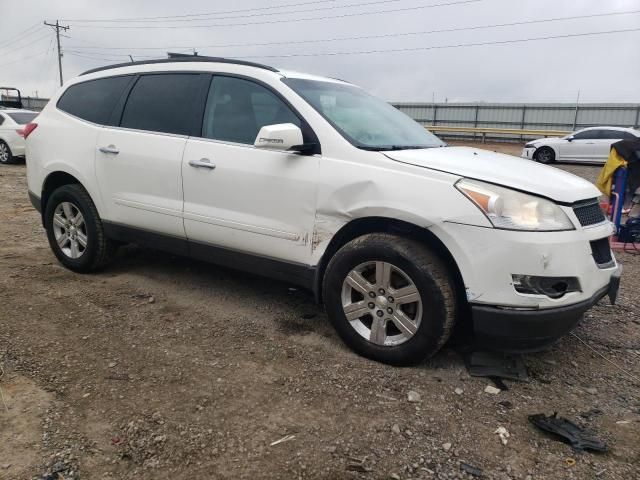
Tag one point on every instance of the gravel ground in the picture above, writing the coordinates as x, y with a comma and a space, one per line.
162, 367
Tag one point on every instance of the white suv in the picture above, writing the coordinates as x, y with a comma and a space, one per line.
313, 181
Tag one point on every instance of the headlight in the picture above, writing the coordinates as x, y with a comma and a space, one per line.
529, 145
512, 210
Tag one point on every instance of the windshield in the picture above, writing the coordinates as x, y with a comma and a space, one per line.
364, 120
22, 118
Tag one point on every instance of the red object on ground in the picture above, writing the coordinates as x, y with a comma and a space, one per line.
615, 244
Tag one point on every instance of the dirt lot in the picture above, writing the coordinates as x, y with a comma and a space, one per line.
162, 367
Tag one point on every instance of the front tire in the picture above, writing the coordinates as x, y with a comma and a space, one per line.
390, 298
6, 157
545, 155
75, 231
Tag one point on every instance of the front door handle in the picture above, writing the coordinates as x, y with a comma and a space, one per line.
203, 162
110, 149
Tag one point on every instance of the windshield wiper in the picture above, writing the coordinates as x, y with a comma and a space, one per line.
388, 148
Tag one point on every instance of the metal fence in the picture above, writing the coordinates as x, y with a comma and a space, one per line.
528, 116
29, 103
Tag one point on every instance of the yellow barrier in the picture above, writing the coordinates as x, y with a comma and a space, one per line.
498, 131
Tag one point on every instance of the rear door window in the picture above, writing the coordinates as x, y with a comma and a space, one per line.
94, 100
163, 103
613, 134
587, 135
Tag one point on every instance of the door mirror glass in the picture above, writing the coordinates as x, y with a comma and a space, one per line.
282, 136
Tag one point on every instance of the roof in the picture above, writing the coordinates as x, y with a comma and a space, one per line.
189, 59
605, 127
309, 76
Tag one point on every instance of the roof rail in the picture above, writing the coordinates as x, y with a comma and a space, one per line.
191, 58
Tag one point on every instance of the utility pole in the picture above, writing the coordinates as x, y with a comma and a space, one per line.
575, 116
58, 27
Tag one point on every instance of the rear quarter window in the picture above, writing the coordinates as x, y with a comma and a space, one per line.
22, 118
94, 100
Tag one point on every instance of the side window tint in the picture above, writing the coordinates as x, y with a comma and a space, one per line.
93, 100
1, 119
237, 109
162, 103
587, 135
629, 136
612, 134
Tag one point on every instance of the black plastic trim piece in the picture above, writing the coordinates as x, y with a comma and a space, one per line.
160, 241
521, 331
35, 201
295, 273
183, 60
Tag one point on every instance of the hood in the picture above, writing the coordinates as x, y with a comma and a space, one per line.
548, 140
504, 170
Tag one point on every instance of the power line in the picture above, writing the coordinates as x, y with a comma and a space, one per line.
21, 36
304, 19
20, 47
23, 59
219, 12
47, 65
436, 47
253, 14
91, 57
369, 37
105, 56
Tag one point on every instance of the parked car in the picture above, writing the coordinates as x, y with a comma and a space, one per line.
12, 122
313, 181
589, 145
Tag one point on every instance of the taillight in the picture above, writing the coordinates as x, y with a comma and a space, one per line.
26, 131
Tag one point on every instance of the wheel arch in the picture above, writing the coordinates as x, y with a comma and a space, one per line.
377, 224
550, 147
53, 181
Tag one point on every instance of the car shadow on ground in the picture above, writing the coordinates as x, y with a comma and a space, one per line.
294, 309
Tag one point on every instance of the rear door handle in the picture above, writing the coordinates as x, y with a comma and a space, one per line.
110, 149
203, 162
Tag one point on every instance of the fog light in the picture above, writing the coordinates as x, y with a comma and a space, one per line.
552, 287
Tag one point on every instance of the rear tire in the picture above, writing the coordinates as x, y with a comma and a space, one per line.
545, 155
401, 322
6, 157
75, 231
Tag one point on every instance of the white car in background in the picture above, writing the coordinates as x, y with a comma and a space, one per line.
589, 145
12, 144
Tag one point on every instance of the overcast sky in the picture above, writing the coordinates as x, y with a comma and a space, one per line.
605, 68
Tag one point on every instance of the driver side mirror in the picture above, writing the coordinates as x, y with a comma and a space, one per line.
570, 138
282, 136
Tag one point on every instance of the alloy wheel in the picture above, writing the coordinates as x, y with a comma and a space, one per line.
382, 303
544, 156
4, 153
70, 230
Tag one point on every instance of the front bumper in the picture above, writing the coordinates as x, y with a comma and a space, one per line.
528, 153
529, 330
